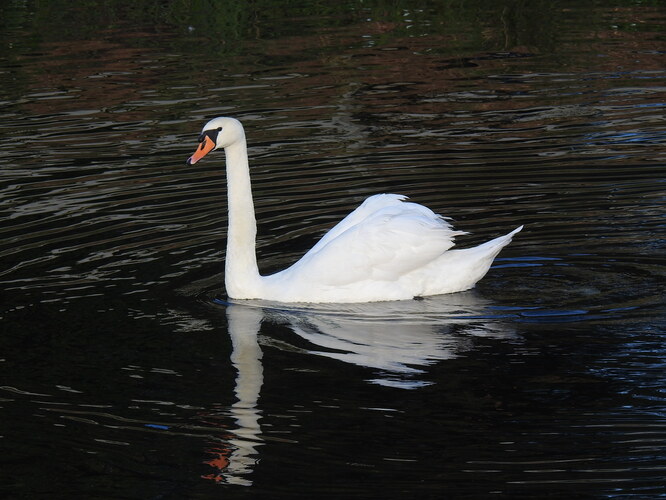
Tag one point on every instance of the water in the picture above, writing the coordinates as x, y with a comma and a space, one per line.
126, 373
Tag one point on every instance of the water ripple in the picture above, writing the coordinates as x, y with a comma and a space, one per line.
550, 373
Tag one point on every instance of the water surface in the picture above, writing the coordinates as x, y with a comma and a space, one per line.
126, 371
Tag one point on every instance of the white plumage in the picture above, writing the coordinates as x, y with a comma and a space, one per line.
386, 249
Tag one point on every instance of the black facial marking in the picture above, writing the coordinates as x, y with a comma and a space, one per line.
211, 134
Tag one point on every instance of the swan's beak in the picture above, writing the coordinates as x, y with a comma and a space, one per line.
205, 147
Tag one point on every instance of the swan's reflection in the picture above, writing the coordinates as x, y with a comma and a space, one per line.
396, 339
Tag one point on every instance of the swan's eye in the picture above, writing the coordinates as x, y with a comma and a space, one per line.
219, 129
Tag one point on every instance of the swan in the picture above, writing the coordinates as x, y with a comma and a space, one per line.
386, 249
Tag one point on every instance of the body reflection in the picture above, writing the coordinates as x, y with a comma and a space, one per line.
398, 340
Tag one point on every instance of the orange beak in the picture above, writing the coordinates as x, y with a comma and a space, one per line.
206, 146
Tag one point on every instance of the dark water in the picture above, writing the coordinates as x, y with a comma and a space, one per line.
125, 373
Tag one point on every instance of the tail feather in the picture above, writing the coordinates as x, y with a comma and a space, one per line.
460, 269
499, 242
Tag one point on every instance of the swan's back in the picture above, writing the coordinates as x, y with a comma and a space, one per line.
383, 250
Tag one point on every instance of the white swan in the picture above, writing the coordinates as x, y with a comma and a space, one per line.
386, 249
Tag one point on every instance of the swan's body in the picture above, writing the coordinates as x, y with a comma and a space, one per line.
386, 249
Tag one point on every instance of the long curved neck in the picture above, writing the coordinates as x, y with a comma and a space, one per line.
242, 278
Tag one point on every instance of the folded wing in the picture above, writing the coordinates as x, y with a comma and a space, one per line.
381, 240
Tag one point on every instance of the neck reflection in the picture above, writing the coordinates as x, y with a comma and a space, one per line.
235, 460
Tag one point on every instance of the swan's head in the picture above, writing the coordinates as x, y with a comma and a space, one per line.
218, 133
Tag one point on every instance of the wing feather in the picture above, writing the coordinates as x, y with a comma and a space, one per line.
370, 206
382, 240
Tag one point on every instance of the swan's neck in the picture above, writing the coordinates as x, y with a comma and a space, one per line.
242, 278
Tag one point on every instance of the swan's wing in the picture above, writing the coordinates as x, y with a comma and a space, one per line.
370, 206
384, 245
